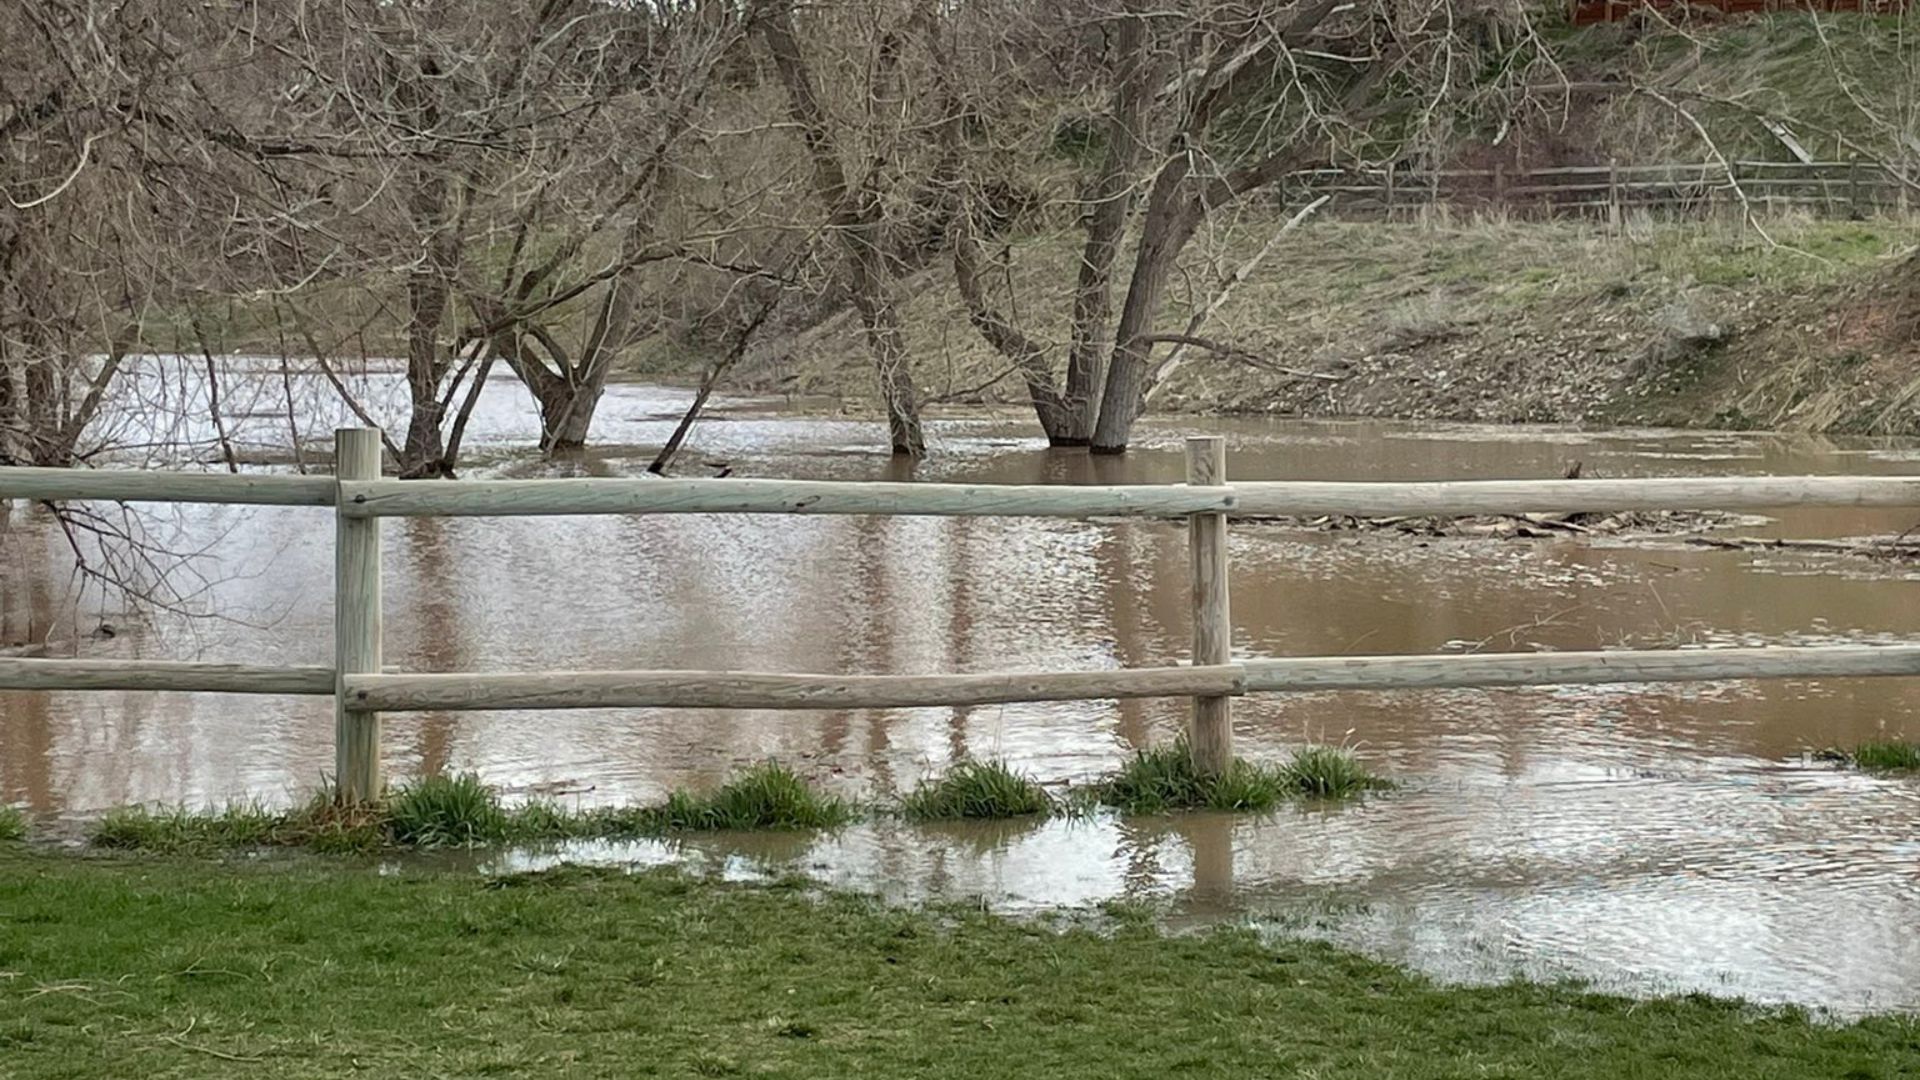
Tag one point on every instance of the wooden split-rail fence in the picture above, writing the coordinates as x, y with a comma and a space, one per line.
363, 689
1611, 190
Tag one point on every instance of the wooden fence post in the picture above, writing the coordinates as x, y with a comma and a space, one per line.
356, 621
1613, 194
1212, 731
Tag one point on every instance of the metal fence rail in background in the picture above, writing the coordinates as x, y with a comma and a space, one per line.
362, 689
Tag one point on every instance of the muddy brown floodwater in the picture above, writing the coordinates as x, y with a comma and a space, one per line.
1649, 838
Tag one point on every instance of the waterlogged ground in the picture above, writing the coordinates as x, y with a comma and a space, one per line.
1649, 838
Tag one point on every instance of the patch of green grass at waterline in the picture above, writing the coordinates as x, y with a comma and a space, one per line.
977, 790
13, 824
446, 811
767, 796
179, 830
461, 811
306, 969
1163, 779
1890, 756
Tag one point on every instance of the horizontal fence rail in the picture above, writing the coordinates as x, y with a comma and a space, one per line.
505, 498
404, 692
127, 485
362, 689
41, 674
1262, 498
754, 690
1485, 670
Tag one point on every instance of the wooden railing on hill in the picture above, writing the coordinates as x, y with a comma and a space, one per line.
1834, 188
1587, 12
362, 688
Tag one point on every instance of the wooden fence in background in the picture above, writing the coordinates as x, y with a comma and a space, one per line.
1588, 12
362, 688
1831, 188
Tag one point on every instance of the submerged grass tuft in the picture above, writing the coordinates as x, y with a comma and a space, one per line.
1330, 772
446, 811
767, 796
977, 789
13, 824
1886, 756
1162, 779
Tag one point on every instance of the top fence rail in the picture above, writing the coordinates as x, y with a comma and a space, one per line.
1241, 499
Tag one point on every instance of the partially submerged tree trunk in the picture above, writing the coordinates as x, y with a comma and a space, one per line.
429, 285
855, 215
568, 389
1169, 224
1057, 416
1110, 202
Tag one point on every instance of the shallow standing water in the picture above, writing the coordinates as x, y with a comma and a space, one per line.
1648, 837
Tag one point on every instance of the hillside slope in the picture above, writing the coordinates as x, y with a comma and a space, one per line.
1701, 323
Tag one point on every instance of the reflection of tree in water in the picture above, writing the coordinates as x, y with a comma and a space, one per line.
28, 619
440, 645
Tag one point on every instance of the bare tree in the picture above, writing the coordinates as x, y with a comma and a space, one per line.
493, 174
1205, 105
76, 223
856, 203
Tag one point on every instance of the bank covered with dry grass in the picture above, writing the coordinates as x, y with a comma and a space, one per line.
1457, 316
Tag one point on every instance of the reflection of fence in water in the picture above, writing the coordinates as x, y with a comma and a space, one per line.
362, 689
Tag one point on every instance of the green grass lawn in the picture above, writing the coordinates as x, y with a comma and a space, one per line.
304, 967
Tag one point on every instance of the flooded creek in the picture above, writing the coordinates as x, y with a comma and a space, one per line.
1650, 838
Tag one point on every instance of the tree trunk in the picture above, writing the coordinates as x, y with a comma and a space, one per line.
566, 418
856, 218
1111, 197
423, 455
1172, 217
1030, 356
874, 299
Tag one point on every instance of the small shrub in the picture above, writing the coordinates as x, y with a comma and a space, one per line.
1890, 756
977, 789
767, 796
1329, 772
446, 811
13, 824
